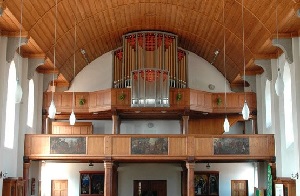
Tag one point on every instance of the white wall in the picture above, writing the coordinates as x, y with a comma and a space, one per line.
231, 171
128, 172
3, 87
95, 76
201, 73
64, 171
98, 75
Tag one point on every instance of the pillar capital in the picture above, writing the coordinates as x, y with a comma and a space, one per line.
266, 65
108, 164
252, 81
33, 63
285, 44
12, 45
47, 79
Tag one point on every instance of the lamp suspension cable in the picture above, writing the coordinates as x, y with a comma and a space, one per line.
245, 110
226, 122
279, 84
72, 116
52, 109
54, 61
19, 92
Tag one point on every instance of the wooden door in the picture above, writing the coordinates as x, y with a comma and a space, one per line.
239, 187
150, 188
59, 187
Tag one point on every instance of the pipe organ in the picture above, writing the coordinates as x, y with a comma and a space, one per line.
149, 63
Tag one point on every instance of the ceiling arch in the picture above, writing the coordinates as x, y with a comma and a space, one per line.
198, 24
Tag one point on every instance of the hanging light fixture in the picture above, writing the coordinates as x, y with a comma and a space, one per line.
245, 111
279, 85
226, 122
72, 116
52, 108
19, 91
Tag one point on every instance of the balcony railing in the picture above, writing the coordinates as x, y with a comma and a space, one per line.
150, 147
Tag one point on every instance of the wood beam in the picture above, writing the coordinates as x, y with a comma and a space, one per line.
266, 56
15, 33
47, 71
33, 55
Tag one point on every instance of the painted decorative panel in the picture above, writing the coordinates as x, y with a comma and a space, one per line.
224, 146
67, 145
149, 146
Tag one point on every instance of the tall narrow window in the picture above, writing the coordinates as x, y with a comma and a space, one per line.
10, 107
268, 104
288, 117
30, 111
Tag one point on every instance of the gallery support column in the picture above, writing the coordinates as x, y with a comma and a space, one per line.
185, 124
190, 178
184, 180
108, 178
115, 179
115, 124
26, 166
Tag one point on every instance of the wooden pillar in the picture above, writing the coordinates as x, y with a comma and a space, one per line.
48, 126
181, 126
190, 178
115, 180
26, 166
108, 176
185, 124
184, 180
115, 124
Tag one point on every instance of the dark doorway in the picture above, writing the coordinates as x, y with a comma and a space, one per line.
150, 188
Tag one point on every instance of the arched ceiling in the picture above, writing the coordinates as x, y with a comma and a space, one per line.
198, 24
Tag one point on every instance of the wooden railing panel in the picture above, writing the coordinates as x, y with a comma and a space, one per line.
180, 99
121, 146
100, 100
259, 143
95, 145
183, 101
200, 101
80, 128
235, 102
177, 146
117, 99
181, 147
203, 146
40, 145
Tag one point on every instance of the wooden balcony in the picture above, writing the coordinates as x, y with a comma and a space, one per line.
107, 101
152, 148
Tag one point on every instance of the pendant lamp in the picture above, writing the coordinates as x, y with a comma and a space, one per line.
279, 84
226, 125
72, 116
19, 91
245, 111
52, 108
226, 122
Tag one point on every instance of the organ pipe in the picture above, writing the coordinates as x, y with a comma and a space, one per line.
150, 49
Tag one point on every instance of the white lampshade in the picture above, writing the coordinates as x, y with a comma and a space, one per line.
19, 93
72, 118
279, 85
52, 110
226, 125
246, 111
